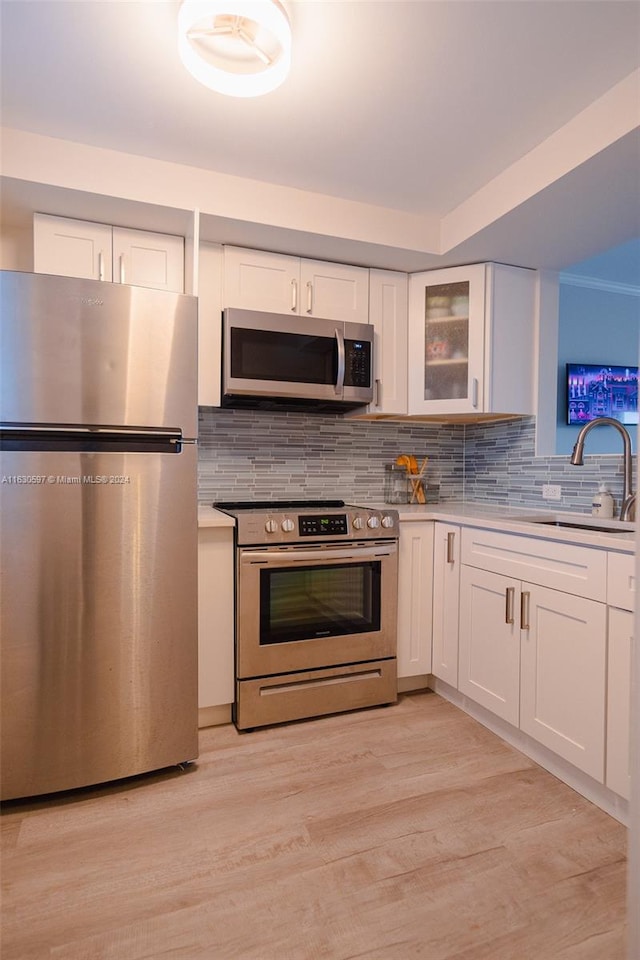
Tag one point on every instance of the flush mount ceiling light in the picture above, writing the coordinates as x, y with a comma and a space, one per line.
238, 47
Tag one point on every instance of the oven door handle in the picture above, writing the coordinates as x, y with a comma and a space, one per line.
322, 554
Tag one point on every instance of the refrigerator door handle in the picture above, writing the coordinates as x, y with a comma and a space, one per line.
172, 436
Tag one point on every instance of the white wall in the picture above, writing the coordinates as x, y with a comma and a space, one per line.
16, 249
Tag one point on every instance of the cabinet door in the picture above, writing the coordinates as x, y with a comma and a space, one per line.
562, 681
446, 602
446, 340
489, 650
415, 571
334, 291
388, 316
71, 248
619, 701
215, 616
256, 280
148, 259
621, 580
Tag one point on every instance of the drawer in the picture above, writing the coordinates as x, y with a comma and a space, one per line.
621, 580
581, 571
315, 693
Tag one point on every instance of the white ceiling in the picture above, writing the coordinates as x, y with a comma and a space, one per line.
412, 106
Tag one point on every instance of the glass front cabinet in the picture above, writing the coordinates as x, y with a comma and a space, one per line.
471, 340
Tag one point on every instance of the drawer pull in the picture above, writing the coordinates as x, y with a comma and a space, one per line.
509, 598
524, 610
450, 539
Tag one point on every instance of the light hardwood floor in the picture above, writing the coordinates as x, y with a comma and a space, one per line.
387, 834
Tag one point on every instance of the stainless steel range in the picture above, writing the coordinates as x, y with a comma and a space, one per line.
316, 607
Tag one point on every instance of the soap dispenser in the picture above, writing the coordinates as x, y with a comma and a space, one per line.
602, 505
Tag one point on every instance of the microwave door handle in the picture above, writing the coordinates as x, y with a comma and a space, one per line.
341, 362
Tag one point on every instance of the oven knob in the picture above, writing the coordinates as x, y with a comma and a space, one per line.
373, 522
387, 521
288, 525
271, 526
357, 523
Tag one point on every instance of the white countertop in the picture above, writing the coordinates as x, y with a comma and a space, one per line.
210, 517
506, 519
520, 520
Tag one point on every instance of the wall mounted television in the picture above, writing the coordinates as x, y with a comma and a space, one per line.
599, 390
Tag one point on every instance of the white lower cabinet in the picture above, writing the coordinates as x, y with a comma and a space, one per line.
562, 675
489, 665
415, 575
621, 591
619, 701
446, 602
215, 616
534, 656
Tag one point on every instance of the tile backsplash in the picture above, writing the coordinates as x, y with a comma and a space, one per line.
500, 466
249, 455
259, 455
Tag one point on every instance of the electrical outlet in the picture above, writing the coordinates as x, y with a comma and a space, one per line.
551, 491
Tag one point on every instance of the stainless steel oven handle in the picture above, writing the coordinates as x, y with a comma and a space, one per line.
341, 361
322, 554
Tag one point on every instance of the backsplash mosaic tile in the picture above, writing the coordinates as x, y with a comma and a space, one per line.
501, 467
256, 454
260, 455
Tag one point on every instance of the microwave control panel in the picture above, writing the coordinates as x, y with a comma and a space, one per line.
357, 372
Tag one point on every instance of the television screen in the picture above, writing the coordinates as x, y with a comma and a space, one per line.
601, 391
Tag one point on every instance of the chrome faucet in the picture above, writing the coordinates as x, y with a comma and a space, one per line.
627, 507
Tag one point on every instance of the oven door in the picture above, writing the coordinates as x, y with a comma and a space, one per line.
315, 605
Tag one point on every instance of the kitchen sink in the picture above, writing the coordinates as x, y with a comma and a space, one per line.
616, 526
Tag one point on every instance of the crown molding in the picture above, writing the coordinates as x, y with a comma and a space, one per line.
596, 283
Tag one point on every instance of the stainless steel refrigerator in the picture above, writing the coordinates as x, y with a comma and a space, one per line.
98, 532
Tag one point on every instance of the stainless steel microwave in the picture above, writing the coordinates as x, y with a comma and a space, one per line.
295, 363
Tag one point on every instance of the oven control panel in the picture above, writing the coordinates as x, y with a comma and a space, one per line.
323, 526
283, 526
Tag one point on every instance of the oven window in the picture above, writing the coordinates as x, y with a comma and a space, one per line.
320, 601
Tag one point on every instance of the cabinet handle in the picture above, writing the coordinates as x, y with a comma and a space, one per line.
450, 539
309, 296
474, 392
121, 268
376, 399
524, 610
101, 266
294, 296
509, 598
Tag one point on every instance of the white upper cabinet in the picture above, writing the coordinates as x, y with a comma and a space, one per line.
148, 259
97, 251
388, 294
72, 248
471, 340
334, 290
257, 280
